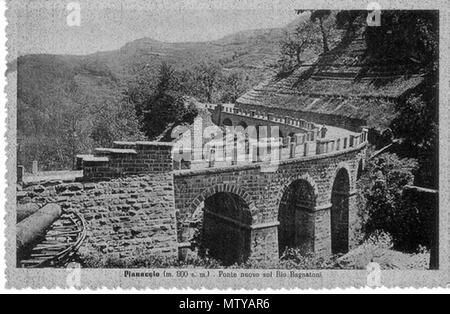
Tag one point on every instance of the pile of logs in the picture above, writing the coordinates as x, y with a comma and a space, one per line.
47, 237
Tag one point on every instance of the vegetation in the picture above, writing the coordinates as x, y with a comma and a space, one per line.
165, 102
320, 17
140, 260
317, 34
292, 259
160, 105
296, 44
60, 114
69, 105
410, 37
385, 208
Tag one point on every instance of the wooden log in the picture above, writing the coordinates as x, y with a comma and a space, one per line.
35, 226
25, 211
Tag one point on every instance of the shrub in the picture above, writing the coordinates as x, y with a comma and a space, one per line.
380, 240
141, 260
292, 259
385, 210
418, 213
298, 259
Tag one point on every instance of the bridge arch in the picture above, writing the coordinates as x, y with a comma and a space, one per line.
340, 206
296, 215
227, 122
346, 167
243, 124
227, 188
225, 229
303, 177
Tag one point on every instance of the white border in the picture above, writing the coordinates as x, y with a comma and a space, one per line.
337, 4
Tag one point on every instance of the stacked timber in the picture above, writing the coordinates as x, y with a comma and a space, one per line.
49, 237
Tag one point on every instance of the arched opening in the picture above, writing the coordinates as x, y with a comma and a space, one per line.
227, 122
242, 129
226, 228
296, 217
243, 125
340, 213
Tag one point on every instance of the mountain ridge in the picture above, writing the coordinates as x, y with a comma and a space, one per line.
61, 94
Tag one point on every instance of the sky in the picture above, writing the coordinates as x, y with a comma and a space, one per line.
42, 25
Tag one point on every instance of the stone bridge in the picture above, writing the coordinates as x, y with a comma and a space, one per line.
135, 196
307, 202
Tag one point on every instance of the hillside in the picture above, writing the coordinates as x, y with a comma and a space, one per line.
341, 83
254, 51
70, 104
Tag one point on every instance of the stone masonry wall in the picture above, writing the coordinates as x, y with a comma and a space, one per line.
126, 198
285, 129
319, 118
129, 158
122, 215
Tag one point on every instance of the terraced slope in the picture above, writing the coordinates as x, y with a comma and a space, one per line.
343, 82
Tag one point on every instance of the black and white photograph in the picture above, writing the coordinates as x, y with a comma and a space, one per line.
218, 144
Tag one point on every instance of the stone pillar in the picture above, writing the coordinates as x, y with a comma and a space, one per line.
319, 148
247, 146
35, 168
212, 157
264, 242
352, 141
292, 149
79, 163
333, 146
255, 152
365, 135
234, 160
322, 230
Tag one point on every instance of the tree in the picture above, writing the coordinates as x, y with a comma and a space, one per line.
167, 80
162, 105
319, 16
413, 38
405, 35
76, 122
296, 43
232, 87
208, 76
384, 182
350, 20
119, 122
